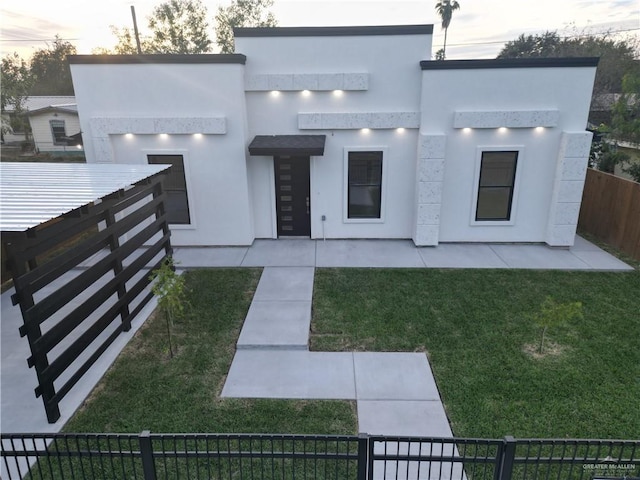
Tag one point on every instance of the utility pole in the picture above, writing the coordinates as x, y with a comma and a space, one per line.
135, 29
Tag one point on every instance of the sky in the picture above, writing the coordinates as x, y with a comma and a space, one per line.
478, 30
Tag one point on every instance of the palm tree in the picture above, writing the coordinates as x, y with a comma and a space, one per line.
445, 9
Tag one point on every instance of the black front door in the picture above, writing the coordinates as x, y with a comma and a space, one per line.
292, 196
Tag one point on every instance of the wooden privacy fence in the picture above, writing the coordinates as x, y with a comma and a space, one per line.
611, 211
100, 285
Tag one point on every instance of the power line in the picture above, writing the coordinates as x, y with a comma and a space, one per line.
450, 44
37, 39
502, 42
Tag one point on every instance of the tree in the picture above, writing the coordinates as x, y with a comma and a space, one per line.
553, 314
50, 70
543, 45
241, 13
179, 26
617, 57
126, 43
171, 291
16, 80
445, 9
625, 123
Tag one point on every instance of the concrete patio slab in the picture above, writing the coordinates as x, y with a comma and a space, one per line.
394, 376
290, 374
415, 418
538, 257
198, 257
600, 260
285, 283
281, 253
276, 325
368, 253
581, 244
452, 255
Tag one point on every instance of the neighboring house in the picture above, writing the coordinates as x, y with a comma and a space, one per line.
346, 132
54, 123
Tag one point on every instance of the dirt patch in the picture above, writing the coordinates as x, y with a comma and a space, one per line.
551, 350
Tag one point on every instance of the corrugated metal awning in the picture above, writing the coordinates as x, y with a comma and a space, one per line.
287, 145
34, 193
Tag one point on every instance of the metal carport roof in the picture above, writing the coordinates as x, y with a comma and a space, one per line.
34, 193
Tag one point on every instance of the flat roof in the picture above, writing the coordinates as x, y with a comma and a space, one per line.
33, 193
332, 31
510, 63
158, 58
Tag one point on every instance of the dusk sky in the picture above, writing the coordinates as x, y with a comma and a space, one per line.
478, 29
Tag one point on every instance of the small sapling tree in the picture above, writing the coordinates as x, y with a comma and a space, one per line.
170, 289
553, 314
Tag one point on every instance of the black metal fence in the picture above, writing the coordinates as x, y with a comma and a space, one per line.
242, 456
71, 325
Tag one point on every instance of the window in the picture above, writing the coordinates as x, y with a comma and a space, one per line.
495, 188
364, 185
175, 186
58, 132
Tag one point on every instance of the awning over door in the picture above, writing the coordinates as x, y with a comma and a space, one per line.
274, 145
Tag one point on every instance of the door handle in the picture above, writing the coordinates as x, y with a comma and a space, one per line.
307, 205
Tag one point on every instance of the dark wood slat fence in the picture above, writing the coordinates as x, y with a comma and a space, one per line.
100, 279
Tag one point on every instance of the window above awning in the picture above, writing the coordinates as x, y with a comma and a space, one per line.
287, 145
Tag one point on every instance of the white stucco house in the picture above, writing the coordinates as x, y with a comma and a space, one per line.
347, 132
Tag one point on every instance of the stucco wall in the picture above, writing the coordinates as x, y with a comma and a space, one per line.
196, 110
380, 84
483, 100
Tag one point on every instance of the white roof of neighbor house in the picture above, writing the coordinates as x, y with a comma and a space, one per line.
34, 193
39, 102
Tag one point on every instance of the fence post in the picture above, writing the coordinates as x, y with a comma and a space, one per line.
508, 457
146, 452
363, 454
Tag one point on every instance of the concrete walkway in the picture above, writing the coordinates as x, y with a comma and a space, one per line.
399, 254
396, 393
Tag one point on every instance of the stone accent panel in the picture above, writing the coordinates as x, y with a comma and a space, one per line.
430, 169
291, 82
571, 170
102, 127
353, 121
509, 119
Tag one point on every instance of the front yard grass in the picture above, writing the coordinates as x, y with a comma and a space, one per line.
146, 389
475, 326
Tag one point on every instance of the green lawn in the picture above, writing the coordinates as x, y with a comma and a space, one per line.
475, 326
146, 389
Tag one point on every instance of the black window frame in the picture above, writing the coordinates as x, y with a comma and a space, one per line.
510, 186
57, 138
376, 159
174, 185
